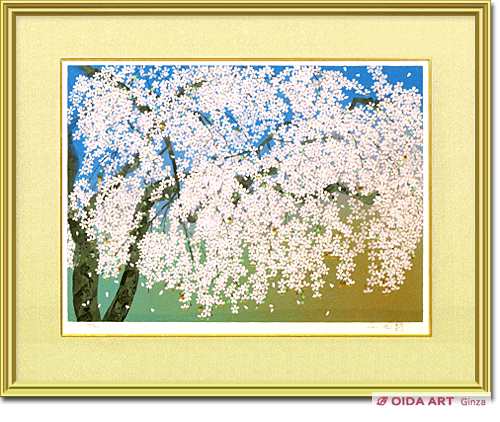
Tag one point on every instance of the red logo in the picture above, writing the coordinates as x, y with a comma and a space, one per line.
381, 401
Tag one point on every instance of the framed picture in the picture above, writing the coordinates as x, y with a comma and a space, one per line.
251, 196
297, 196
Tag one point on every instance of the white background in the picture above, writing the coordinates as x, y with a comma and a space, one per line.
270, 409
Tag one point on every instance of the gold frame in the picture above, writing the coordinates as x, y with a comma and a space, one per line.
480, 10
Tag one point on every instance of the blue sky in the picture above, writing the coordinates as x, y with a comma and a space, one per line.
410, 76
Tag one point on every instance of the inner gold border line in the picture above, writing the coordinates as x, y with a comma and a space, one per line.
4, 315
335, 7
251, 385
236, 12
284, 5
11, 210
7, 186
482, 198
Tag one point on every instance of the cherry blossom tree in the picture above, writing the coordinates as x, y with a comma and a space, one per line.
224, 182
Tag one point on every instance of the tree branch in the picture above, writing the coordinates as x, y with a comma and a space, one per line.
364, 101
337, 187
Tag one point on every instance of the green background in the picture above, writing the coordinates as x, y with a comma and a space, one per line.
344, 304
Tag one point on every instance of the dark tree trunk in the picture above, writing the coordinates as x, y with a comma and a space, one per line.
85, 278
73, 164
85, 294
122, 302
120, 306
